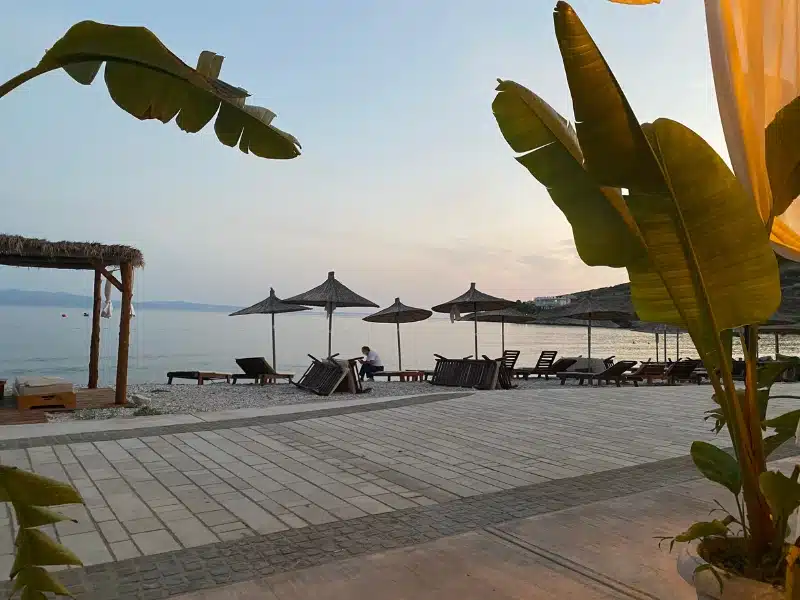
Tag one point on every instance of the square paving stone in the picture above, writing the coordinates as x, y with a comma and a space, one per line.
217, 517
124, 550
142, 525
155, 542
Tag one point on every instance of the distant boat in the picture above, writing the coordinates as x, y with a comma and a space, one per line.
63, 316
85, 314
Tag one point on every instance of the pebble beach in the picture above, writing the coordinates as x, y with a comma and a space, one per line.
159, 398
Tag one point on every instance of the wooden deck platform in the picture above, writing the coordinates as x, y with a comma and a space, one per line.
96, 398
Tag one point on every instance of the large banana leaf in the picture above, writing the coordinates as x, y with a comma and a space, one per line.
783, 156
148, 81
614, 147
706, 238
603, 228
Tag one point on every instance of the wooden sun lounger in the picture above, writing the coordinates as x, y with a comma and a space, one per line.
406, 375
258, 369
681, 370
616, 373
543, 364
200, 376
559, 366
468, 373
648, 371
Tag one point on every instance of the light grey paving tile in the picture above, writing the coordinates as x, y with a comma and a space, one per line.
113, 531
369, 505
191, 532
127, 507
293, 520
235, 535
89, 547
155, 542
176, 515
124, 550
228, 527
313, 514
287, 498
82, 524
394, 501
142, 525
341, 490
217, 517
344, 512
254, 516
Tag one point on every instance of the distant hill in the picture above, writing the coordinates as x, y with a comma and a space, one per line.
64, 300
790, 290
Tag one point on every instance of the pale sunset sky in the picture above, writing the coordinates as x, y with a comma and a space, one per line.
405, 186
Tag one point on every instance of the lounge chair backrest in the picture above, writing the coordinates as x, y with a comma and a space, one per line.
561, 365
546, 359
608, 362
510, 358
255, 365
650, 369
682, 368
617, 368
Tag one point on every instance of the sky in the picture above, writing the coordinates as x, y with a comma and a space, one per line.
405, 186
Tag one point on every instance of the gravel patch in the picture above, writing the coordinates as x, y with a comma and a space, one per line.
159, 398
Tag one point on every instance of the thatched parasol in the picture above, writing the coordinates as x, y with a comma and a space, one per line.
270, 306
506, 315
330, 295
591, 309
399, 313
475, 301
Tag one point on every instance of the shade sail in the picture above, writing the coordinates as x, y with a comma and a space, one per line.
272, 305
331, 294
399, 313
476, 301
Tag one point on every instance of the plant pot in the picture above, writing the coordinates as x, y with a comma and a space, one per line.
734, 587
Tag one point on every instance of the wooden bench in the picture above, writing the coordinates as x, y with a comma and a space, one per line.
200, 376
61, 400
401, 375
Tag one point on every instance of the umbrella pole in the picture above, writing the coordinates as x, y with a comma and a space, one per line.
503, 334
665, 347
399, 352
678, 345
777, 346
330, 326
274, 362
590, 341
475, 322
657, 346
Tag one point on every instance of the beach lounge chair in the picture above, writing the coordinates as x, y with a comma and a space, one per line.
509, 359
559, 366
543, 364
258, 369
616, 373
199, 376
681, 370
647, 371
405, 375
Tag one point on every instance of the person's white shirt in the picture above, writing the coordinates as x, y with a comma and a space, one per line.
373, 359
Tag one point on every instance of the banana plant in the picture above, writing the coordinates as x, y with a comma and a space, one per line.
29, 494
656, 199
148, 81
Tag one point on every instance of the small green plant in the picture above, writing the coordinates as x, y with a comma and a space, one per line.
28, 494
656, 199
146, 411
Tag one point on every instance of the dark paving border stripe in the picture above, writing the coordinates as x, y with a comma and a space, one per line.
192, 569
100, 436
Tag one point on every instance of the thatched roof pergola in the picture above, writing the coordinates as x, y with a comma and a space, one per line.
19, 251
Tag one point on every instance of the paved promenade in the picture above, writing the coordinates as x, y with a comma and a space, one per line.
173, 508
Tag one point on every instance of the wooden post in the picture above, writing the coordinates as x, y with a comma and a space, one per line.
399, 351
274, 360
94, 348
475, 322
126, 271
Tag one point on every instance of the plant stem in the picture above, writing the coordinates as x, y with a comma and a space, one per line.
15, 82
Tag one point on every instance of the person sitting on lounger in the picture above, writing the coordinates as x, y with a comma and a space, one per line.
370, 364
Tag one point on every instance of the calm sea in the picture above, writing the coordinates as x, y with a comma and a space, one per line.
39, 341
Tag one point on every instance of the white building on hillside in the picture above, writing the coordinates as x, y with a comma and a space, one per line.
552, 301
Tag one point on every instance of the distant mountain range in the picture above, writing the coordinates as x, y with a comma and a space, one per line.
64, 300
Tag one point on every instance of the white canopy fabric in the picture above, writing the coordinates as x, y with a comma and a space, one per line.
756, 64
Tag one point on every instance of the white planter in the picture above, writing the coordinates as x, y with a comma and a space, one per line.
734, 587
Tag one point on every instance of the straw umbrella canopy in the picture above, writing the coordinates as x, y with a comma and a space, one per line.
330, 295
271, 305
399, 313
476, 301
591, 309
506, 315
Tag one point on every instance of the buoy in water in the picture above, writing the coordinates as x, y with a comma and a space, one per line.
63, 315
85, 314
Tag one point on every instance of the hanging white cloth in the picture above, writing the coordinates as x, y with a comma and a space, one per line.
107, 308
133, 312
455, 314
